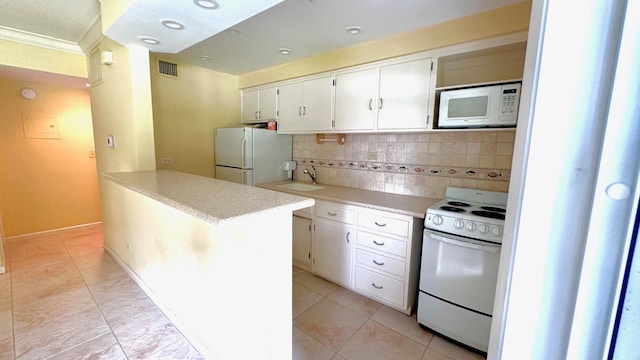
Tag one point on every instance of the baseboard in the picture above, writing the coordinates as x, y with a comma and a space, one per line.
53, 232
188, 334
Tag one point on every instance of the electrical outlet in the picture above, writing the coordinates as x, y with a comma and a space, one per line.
92, 154
166, 160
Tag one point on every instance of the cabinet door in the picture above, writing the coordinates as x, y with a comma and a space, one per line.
332, 246
356, 100
250, 106
317, 110
302, 242
290, 108
404, 95
268, 104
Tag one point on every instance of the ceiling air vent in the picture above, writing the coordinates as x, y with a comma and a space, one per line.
167, 68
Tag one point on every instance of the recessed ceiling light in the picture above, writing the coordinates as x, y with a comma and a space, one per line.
354, 30
207, 4
205, 58
284, 51
173, 24
149, 40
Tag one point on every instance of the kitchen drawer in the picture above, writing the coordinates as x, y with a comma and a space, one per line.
380, 222
382, 243
380, 286
380, 262
336, 213
305, 213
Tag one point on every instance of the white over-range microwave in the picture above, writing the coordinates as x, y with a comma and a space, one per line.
482, 106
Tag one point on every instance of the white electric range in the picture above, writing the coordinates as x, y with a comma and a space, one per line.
459, 265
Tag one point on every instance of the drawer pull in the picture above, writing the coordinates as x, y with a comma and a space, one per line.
331, 213
378, 263
348, 233
376, 286
381, 225
377, 243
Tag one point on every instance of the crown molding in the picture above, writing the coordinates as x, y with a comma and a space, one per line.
39, 40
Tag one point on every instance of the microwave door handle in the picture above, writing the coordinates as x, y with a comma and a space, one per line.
464, 244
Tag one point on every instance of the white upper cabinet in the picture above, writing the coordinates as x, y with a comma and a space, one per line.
404, 96
356, 100
259, 105
388, 97
306, 106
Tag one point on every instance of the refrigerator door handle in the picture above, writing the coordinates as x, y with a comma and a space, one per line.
244, 177
244, 152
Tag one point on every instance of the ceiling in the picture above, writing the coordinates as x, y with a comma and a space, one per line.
240, 43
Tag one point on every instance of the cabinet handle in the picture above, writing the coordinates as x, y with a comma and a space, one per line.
304, 110
381, 225
259, 114
331, 213
348, 234
300, 110
378, 263
370, 104
377, 243
376, 286
255, 115
381, 104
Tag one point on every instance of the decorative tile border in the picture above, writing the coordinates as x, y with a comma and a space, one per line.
445, 171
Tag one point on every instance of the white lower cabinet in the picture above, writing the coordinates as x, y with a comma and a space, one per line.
387, 258
332, 249
372, 252
302, 242
334, 236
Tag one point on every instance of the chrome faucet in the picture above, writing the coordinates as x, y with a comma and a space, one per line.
313, 175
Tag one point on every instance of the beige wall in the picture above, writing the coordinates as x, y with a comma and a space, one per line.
121, 106
42, 59
46, 184
186, 110
505, 20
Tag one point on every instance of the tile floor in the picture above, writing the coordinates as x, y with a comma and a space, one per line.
333, 323
63, 297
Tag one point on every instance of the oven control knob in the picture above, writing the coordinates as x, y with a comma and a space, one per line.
458, 224
497, 231
483, 228
471, 226
437, 220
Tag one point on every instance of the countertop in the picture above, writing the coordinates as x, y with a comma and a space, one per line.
402, 204
209, 199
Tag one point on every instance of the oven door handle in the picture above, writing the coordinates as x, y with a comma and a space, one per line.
488, 248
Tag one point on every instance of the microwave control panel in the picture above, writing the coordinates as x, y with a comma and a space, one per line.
509, 100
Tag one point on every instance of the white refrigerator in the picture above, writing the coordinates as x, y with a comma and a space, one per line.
251, 156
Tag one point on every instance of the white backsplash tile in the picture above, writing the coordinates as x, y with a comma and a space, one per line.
412, 164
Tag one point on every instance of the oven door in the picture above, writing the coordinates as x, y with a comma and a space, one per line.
459, 270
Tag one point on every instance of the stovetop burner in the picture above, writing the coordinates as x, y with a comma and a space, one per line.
452, 208
493, 208
458, 203
488, 214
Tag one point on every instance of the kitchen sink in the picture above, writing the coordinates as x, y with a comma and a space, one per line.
299, 187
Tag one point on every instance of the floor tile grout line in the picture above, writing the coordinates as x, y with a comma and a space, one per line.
369, 317
92, 298
111, 329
